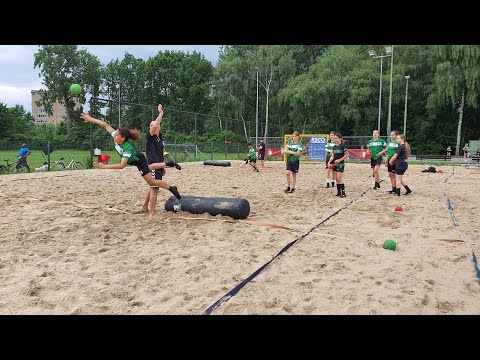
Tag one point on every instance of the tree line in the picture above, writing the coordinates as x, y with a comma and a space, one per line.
310, 88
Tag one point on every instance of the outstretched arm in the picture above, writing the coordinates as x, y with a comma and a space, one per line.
87, 118
158, 121
121, 165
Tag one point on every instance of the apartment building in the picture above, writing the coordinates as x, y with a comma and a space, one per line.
41, 116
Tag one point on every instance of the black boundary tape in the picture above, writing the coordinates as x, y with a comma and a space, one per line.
237, 288
456, 225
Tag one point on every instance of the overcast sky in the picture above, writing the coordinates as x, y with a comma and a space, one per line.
18, 77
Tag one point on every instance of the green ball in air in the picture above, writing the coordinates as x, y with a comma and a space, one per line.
389, 245
75, 89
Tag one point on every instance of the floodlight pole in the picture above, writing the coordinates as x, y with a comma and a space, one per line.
405, 113
256, 127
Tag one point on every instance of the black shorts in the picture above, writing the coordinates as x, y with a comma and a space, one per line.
400, 171
375, 162
339, 167
157, 175
141, 164
293, 166
391, 168
261, 156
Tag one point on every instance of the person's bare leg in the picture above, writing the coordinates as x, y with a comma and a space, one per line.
294, 180
288, 179
392, 178
145, 203
376, 172
161, 183
156, 166
153, 202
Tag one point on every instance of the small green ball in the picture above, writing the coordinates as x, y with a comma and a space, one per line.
75, 89
389, 245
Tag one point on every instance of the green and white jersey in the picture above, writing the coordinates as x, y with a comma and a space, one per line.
252, 153
329, 146
298, 146
392, 148
375, 147
126, 150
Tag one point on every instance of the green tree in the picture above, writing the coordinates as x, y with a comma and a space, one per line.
15, 123
60, 66
457, 80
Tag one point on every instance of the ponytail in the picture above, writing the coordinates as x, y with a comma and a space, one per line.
407, 145
409, 150
133, 134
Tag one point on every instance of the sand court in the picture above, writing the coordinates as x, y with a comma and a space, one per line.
74, 243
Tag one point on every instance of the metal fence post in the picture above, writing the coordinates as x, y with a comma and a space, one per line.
48, 156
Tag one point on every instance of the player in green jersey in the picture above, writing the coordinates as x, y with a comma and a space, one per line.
391, 149
129, 154
377, 147
340, 153
292, 151
251, 157
328, 154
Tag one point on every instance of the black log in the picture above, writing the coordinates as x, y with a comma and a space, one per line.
236, 208
217, 163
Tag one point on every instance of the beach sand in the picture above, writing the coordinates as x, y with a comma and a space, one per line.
74, 242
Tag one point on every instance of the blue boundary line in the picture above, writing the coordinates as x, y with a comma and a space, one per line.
456, 225
237, 288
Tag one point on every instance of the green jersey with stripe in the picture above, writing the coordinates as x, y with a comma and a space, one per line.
126, 150
375, 147
298, 146
329, 146
392, 148
252, 153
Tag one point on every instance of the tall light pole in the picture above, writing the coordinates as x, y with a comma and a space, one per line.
373, 54
389, 123
256, 124
405, 113
119, 104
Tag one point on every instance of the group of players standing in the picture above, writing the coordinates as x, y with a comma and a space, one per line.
397, 152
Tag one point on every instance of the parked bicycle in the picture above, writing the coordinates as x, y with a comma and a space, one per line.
73, 164
19, 166
5, 168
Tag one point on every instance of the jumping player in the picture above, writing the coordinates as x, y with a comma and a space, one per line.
128, 153
156, 160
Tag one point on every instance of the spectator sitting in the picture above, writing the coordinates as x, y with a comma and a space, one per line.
42, 168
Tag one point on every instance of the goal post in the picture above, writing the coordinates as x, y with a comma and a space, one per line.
313, 146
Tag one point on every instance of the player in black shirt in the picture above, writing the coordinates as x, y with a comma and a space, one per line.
154, 147
401, 165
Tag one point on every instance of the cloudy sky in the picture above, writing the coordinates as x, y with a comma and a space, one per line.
18, 77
